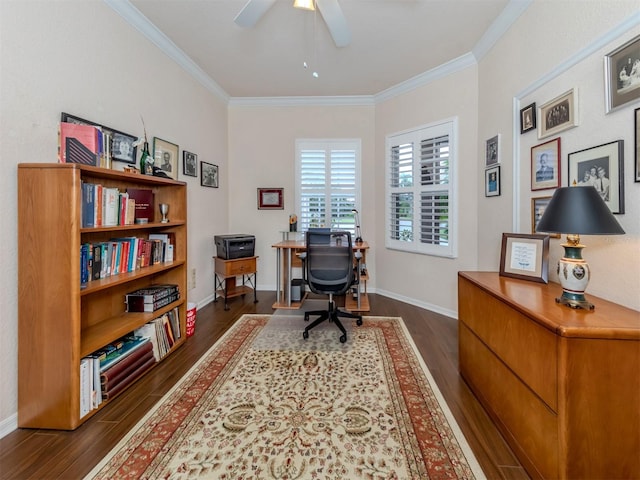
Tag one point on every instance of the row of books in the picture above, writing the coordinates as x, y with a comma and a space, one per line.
163, 332
120, 255
108, 206
84, 144
114, 365
108, 371
151, 298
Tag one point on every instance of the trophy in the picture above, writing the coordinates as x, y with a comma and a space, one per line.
164, 210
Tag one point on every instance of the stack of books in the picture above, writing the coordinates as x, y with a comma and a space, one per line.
152, 298
109, 370
163, 332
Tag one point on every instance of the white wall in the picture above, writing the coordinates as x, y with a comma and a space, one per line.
82, 58
553, 47
422, 279
262, 154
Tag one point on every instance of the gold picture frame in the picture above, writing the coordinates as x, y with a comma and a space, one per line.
165, 156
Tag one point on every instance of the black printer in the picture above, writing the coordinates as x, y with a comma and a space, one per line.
237, 245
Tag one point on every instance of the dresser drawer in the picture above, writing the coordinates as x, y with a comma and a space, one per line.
525, 347
230, 268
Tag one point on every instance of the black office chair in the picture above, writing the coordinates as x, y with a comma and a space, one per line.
329, 269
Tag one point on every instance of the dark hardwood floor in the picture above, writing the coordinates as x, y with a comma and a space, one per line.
45, 454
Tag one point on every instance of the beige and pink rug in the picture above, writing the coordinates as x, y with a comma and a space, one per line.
265, 404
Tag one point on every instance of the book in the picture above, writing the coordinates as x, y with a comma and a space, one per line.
114, 355
110, 206
135, 304
148, 330
109, 394
144, 206
88, 207
113, 375
154, 292
79, 144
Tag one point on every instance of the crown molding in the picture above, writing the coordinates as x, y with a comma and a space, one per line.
334, 101
499, 27
141, 23
507, 17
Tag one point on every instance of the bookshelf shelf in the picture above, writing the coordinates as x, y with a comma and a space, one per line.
60, 321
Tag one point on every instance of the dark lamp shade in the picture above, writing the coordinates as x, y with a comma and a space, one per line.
578, 210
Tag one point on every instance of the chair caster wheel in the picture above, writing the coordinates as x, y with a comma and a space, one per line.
343, 338
305, 334
359, 322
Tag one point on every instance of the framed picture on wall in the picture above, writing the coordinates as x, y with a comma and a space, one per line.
528, 118
189, 164
208, 175
545, 165
165, 156
601, 167
492, 182
538, 206
492, 155
270, 198
622, 75
558, 114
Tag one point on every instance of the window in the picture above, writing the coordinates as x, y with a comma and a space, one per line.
420, 181
328, 186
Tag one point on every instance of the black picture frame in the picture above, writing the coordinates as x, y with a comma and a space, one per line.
492, 182
528, 118
636, 150
189, 164
603, 167
122, 146
209, 175
525, 257
620, 87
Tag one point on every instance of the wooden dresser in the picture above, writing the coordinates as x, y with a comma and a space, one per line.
562, 385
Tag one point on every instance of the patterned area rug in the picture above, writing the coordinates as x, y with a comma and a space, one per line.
265, 404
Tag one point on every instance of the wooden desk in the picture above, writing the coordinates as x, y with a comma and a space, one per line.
562, 385
287, 258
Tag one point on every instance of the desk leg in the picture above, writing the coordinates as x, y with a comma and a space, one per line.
255, 283
289, 277
278, 274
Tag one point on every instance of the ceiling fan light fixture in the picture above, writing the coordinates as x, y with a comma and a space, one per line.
304, 4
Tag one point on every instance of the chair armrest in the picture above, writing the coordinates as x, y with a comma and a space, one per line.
303, 256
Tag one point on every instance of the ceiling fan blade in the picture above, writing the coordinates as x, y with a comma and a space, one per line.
336, 21
252, 11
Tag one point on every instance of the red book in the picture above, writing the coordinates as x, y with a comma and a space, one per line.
112, 376
126, 381
144, 203
79, 144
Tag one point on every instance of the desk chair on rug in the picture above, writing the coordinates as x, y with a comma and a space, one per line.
329, 269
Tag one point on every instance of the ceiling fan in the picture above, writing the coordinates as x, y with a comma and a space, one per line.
329, 9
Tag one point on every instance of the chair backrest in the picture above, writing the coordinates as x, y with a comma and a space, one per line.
329, 262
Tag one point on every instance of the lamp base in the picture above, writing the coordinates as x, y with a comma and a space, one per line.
575, 301
574, 274
358, 239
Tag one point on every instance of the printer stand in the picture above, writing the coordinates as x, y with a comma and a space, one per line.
226, 272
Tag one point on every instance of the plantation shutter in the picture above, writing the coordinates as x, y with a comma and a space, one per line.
328, 185
419, 190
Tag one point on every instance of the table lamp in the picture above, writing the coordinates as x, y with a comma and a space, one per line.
576, 210
357, 220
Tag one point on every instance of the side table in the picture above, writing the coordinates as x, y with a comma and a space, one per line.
226, 272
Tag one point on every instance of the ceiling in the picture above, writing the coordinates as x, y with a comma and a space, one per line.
392, 41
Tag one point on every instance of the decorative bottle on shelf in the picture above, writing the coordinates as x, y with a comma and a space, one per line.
146, 160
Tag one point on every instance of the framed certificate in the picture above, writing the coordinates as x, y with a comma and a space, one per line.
525, 256
270, 198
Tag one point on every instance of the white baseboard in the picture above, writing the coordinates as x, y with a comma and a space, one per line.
427, 306
8, 425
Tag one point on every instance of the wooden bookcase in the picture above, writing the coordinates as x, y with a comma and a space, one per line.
58, 321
